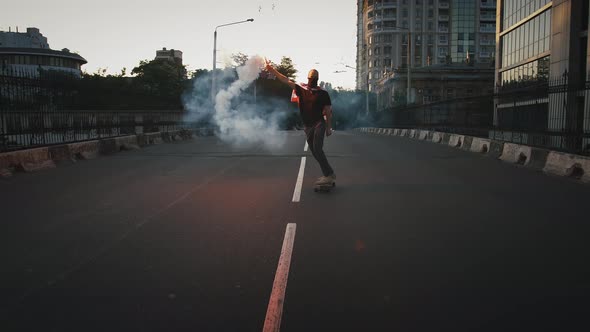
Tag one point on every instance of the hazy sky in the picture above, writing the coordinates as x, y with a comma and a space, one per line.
115, 34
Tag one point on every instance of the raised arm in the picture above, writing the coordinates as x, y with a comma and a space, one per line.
280, 76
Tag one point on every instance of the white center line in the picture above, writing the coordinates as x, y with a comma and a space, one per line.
274, 312
306, 147
297, 192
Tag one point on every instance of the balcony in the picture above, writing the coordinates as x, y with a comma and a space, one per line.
443, 42
487, 42
385, 5
443, 29
485, 54
442, 54
444, 18
487, 4
444, 5
487, 17
487, 29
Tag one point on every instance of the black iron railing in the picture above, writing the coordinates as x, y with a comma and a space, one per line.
553, 115
40, 110
26, 129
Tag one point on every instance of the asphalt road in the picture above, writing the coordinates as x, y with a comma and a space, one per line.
187, 237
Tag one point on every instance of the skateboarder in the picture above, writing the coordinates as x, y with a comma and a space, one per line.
314, 105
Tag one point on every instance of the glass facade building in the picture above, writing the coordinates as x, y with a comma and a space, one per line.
525, 41
442, 31
543, 57
463, 16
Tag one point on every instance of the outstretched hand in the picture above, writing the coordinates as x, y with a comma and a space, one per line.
268, 65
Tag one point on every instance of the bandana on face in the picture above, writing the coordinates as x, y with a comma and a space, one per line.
312, 82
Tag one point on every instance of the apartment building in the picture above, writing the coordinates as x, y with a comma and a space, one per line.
394, 33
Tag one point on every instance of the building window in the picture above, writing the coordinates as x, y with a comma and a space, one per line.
526, 41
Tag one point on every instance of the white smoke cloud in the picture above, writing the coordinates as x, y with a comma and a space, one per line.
238, 120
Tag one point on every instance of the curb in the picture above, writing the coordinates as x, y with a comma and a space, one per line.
38, 159
547, 161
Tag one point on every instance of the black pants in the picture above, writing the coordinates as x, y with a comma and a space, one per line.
315, 139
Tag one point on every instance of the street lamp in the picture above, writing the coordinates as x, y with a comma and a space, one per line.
213, 78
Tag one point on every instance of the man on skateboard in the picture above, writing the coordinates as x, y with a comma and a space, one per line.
315, 108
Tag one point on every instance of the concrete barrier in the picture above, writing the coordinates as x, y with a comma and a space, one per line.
516, 153
19, 158
446, 137
126, 143
550, 162
59, 153
423, 134
524, 155
467, 141
456, 141
564, 164
37, 159
480, 145
84, 150
496, 148
437, 137
153, 138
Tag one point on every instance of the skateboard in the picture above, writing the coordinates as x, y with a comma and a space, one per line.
324, 187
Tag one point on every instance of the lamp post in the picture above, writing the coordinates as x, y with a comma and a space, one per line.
213, 78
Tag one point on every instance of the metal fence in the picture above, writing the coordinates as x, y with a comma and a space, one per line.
553, 115
39, 111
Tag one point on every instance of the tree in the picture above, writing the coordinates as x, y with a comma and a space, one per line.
161, 77
239, 59
199, 72
287, 68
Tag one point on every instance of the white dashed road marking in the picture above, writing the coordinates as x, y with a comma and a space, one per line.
274, 312
297, 192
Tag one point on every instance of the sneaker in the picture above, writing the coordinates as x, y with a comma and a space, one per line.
324, 180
